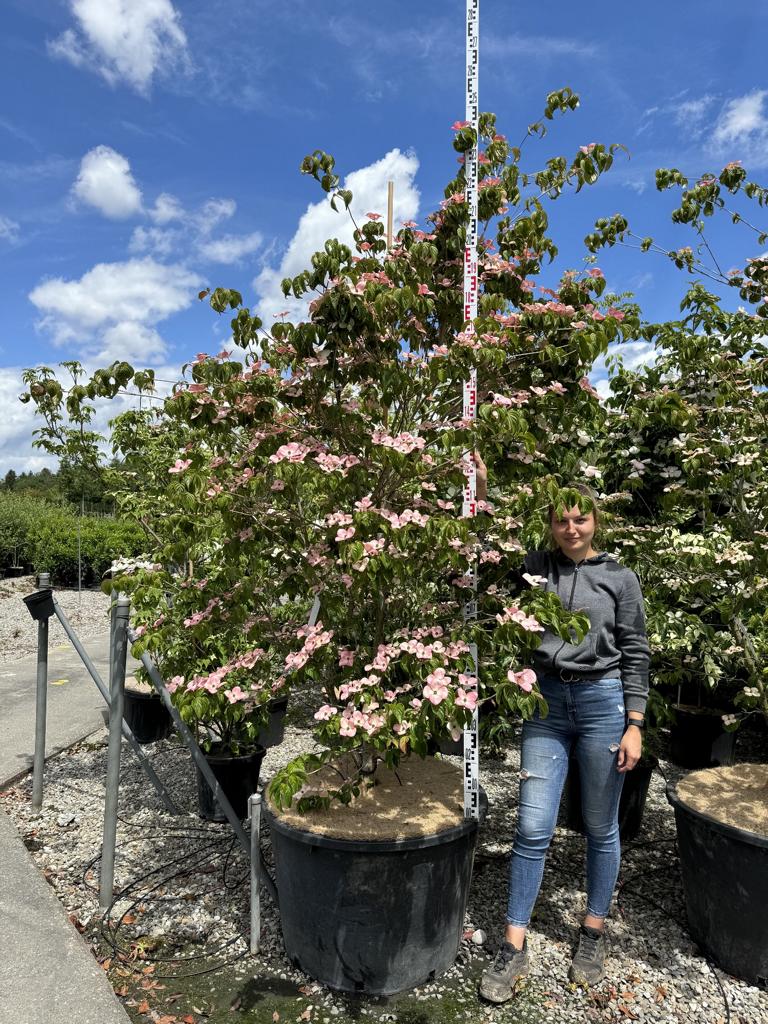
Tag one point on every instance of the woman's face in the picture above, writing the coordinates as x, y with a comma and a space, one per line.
574, 532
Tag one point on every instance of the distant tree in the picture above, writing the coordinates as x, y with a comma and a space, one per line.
10, 480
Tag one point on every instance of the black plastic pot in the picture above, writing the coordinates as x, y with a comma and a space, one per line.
725, 884
373, 918
13, 572
274, 730
237, 777
631, 805
146, 715
40, 604
697, 738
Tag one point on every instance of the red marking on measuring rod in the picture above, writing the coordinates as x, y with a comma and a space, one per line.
469, 507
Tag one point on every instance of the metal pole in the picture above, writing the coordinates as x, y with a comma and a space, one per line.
197, 755
199, 758
471, 757
112, 620
149, 771
254, 809
118, 655
41, 702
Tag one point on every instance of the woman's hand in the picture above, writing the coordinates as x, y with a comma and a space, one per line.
481, 476
630, 750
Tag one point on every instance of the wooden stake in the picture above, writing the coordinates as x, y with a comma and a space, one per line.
390, 211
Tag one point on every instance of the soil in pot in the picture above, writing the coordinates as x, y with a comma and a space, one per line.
373, 895
634, 794
722, 838
698, 739
237, 777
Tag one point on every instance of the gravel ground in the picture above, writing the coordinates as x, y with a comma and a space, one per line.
18, 631
183, 910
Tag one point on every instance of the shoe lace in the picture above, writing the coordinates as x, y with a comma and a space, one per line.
503, 957
588, 945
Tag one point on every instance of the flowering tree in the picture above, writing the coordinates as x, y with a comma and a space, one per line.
684, 444
332, 455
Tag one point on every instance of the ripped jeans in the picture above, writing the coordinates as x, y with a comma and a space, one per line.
588, 717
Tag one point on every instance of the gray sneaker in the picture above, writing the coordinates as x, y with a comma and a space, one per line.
589, 959
511, 964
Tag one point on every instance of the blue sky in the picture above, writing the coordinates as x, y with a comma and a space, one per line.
149, 148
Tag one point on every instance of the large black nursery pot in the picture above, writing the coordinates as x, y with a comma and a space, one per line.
698, 739
631, 805
146, 715
272, 733
237, 776
371, 917
725, 884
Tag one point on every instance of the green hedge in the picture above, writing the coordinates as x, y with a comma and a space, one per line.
45, 537
17, 512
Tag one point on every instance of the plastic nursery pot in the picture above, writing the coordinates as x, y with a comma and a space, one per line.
725, 884
40, 604
634, 794
146, 715
237, 777
272, 733
697, 738
372, 917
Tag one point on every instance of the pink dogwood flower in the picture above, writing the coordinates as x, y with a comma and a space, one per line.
524, 679
325, 712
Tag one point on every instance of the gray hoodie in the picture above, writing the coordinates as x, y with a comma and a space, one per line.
616, 645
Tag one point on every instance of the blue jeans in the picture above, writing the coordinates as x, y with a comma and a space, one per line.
589, 718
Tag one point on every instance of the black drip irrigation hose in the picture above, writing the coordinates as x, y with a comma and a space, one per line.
109, 930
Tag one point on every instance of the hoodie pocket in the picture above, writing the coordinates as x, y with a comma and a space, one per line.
581, 656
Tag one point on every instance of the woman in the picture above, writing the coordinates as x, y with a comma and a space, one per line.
596, 692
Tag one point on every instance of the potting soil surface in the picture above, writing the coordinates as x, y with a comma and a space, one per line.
422, 797
737, 795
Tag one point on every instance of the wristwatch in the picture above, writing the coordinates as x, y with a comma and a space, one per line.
639, 722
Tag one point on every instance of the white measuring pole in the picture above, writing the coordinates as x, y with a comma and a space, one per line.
469, 508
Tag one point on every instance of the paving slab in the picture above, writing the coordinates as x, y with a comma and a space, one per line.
74, 704
47, 973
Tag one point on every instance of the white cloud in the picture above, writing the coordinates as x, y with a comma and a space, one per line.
638, 185
166, 209
131, 295
320, 222
124, 40
691, 113
144, 344
230, 248
105, 182
634, 354
178, 229
157, 241
741, 130
9, 229
535, 47
213, 212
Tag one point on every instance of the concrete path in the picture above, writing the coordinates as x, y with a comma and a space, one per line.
74, 704
47, 973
